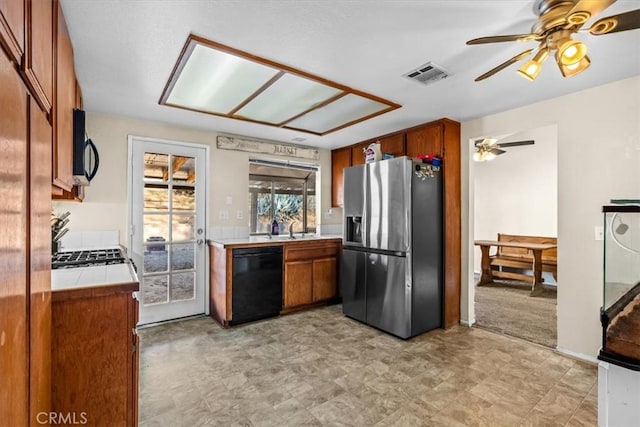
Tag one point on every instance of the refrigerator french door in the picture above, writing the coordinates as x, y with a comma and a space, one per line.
391, 275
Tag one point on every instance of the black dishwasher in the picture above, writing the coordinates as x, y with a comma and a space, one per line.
257, 283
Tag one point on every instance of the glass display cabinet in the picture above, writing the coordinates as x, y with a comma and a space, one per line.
620, 312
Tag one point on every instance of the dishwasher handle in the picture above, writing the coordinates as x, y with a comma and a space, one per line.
250, 252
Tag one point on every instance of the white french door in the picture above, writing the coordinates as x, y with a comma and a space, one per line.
167, 190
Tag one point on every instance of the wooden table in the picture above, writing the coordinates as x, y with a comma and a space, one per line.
534, 248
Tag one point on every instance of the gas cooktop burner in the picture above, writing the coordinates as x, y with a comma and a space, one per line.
87, 258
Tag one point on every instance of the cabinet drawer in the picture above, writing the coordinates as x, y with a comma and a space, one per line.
310, 252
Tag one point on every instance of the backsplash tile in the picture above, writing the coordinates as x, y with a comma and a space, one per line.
75, 240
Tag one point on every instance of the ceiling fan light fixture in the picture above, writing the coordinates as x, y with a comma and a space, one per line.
531, 68
483, 156
574, 69
571, 52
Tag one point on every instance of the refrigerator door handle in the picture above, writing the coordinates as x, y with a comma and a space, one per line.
364, 237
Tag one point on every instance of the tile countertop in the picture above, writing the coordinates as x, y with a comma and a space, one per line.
99, 275
274, 241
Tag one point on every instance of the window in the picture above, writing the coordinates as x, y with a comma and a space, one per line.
282, 193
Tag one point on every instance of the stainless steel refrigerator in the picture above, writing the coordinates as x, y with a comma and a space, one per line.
391, 269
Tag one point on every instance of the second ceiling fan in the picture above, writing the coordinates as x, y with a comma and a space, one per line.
558, 21
488, 148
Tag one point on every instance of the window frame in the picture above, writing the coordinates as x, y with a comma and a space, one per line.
271, 179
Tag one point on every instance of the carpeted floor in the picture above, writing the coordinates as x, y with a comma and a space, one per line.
507, 308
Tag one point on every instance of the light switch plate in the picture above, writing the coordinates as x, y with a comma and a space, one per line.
228, 200
224, 215
599, 232
239, 215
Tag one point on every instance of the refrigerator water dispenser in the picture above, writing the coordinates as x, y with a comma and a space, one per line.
354, 229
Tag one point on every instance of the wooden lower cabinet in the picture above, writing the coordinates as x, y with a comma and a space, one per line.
310, 274
325, 283
95, 354
298, 283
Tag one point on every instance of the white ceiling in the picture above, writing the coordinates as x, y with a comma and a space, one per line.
125, 51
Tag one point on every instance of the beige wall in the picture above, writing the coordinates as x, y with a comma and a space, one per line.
598, 159
105, 204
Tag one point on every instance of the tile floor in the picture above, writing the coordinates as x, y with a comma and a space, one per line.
320, 368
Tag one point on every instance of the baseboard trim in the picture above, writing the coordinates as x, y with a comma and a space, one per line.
579, 356
468, 323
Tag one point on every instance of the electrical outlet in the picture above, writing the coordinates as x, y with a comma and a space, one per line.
239, 215
599, 232
224, 215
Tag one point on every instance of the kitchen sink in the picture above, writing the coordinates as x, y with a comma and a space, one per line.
286, 237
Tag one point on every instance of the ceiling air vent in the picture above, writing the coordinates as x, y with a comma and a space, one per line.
427, 73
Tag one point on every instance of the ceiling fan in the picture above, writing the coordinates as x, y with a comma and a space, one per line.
558, 21
488, 148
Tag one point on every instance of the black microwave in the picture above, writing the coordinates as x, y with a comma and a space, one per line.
85, 153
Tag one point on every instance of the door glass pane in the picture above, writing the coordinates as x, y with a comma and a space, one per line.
183, 256
156, 228
156, 166
182, 286
184, 198
155, 289
184, 169
183, 227
156, 197
155, 258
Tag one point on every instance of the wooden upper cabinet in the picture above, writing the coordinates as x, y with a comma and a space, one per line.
357, 154
12, 28
77, 193
425, 140
65, 89
340, 159
38, 60
79, 102
393, 144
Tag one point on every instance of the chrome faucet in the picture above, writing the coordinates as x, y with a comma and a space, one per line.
291, 236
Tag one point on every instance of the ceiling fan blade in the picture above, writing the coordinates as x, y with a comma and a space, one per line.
504, 65
516, 143
616, 23
592, 7
504, 38
497, 151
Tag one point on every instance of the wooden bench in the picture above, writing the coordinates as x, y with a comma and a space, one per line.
522, 258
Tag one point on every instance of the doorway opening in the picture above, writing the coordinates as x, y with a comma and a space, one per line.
515, 201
